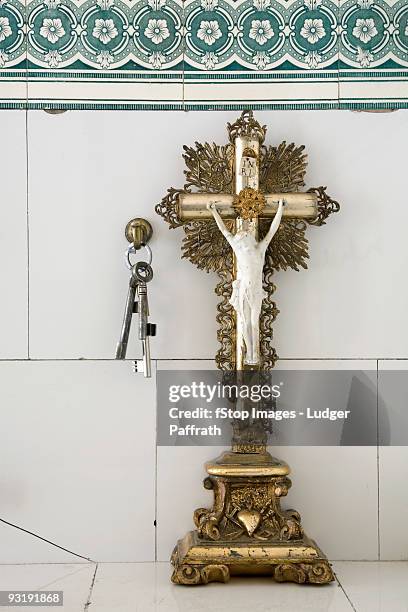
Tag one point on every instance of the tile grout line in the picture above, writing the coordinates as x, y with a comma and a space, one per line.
378, 474
183, 89
88, 601
46, 587
24, 359
345, 593
155, 471
27, 235
338, 57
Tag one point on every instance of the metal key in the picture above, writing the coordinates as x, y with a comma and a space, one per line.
127, 319
146, 329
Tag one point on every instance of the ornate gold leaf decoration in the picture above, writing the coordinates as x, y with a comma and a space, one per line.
205, 246
249, 203
246, 125
325, 205
248, 510
269, 313
282, 168
226, 318
210, 167
289, 247
168, 207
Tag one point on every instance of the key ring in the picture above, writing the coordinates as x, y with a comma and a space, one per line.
142, 271
131, 250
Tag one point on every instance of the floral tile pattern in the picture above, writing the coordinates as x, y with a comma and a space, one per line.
373, 59
179, 54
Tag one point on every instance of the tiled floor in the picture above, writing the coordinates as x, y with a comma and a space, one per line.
146, 587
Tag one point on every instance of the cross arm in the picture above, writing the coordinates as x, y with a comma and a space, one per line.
193, 206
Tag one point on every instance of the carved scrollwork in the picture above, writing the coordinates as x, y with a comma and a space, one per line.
168, 207
207, 520
316, 572
248, 509
225, 357
200, 574
269, 313
325, 205
246, 125
291, 528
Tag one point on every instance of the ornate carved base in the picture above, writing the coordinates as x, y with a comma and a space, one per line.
246, 531
197, 561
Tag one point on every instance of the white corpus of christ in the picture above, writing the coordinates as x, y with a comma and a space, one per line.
248, 293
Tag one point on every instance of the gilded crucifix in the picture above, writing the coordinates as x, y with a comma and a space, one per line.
242, 184
244, 217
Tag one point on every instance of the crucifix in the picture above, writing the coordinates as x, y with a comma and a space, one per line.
244, 182
244, 217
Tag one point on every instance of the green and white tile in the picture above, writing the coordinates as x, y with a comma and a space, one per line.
373, 62
199, 54
105, 54
13, 54
261, 53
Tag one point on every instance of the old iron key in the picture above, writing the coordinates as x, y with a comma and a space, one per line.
127, 319
144, 275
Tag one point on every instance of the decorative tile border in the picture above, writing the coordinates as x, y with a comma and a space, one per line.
204, 54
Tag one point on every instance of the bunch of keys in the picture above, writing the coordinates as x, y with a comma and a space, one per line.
141, 274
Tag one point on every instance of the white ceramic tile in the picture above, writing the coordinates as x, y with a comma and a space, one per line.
13, 236
180, 491
18, 546
334, 488
198, 92
180, 474
375, 587
351, 301
393, 463
115, 165
335, 491
393, 474
73, 579
147, 588
78, 459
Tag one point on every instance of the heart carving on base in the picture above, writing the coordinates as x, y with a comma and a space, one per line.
249, 519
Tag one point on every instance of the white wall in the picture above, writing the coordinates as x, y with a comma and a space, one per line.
78, 458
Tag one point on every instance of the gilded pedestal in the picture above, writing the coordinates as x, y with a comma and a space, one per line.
246, 531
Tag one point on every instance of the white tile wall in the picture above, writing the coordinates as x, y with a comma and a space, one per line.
335, 488
13, 236
79, 464
393, 468
350, 303
112, 167
78, 460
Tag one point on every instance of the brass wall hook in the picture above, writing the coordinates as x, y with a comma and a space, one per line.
138, 231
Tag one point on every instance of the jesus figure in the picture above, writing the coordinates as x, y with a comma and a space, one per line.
247, 290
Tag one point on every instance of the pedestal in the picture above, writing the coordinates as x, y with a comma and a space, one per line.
246, 531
